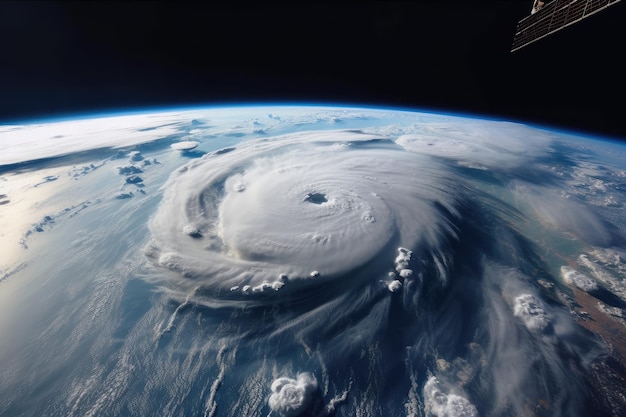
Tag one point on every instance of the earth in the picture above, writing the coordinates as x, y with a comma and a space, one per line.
310, 261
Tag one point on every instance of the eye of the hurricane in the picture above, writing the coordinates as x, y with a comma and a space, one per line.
316, 198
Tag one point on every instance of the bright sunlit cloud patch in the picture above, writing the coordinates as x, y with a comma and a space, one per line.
578, 279
37, 141
185, 145
532, 312
291, 397
439, 403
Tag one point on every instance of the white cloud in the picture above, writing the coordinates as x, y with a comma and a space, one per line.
291, 397
476, 143
532, 312
578, 279
439, 403
37, 141
394, 285
186, 145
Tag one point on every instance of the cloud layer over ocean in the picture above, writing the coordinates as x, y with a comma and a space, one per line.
309, 262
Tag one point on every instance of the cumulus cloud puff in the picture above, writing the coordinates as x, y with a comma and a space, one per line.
186, 145
439, 403
291, 397
578, 279
394, 285
532, 312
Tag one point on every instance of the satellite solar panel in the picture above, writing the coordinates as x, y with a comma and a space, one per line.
555, 16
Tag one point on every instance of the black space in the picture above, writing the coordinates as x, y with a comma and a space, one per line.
60, 58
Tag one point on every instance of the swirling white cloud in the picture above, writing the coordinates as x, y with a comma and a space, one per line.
300, 208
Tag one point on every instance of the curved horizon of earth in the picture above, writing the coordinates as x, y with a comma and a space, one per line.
293, 260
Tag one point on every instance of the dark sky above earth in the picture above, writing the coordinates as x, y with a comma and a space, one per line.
84, 57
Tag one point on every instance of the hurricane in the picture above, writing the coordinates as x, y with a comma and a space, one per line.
377, 257
269, 219
303, 262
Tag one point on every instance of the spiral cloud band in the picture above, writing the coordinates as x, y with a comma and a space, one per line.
345, 256
302, 208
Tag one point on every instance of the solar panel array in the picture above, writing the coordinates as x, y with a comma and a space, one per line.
555, 16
